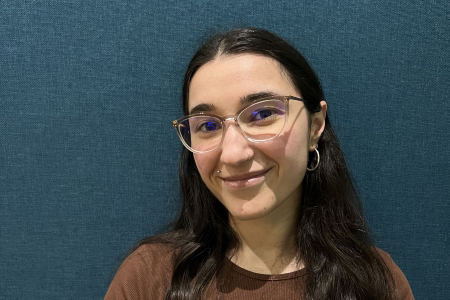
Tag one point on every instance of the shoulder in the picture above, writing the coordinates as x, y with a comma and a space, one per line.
144, 274
404, 291
154, 254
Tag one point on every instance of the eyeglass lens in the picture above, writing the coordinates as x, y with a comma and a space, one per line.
259, 122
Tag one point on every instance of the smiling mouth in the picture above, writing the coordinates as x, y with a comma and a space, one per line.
245, 180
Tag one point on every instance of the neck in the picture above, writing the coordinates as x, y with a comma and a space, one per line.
268, 244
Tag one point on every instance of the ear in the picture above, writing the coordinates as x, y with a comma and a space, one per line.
317, 125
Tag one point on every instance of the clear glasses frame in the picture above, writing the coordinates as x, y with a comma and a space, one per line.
177, 124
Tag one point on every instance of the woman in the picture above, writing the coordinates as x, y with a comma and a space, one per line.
269, 209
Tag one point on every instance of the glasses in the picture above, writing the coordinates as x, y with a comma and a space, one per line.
259, 122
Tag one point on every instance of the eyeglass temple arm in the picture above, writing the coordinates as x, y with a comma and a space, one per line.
295, 98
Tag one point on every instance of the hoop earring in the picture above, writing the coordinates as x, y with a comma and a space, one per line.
317, 161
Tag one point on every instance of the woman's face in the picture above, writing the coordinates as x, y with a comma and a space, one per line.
255, 179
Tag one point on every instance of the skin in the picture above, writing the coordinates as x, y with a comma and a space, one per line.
259, 183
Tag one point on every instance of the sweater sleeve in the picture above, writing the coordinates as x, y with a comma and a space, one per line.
145, 274
402, 287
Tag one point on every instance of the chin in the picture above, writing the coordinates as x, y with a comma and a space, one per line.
248, 214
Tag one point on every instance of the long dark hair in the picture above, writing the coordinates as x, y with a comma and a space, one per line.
332, 236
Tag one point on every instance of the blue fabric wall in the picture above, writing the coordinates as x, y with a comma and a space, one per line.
88, 157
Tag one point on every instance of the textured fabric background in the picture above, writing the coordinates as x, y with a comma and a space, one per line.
88, 157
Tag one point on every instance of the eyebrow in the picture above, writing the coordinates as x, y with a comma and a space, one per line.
255, 97
203, 107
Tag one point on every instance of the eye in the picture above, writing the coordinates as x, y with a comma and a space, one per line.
207, 126
262, 114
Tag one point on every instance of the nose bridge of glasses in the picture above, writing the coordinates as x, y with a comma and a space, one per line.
233, 118
233, 121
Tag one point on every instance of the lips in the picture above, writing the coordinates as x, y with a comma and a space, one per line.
244, 180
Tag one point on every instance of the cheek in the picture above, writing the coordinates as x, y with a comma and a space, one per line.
297, 147
290, 150
206, 164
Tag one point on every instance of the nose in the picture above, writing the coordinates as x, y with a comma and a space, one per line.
235, 146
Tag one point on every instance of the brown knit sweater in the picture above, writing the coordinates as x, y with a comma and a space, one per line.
146, 274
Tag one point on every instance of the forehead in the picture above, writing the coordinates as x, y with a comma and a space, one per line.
225, 81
